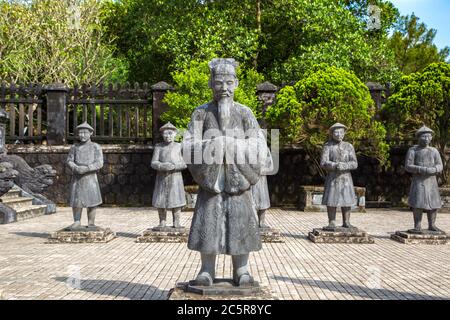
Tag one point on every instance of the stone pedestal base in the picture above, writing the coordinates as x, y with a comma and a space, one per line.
164, 234
340, 235
82, 236
222, 289
271, 235
427, 237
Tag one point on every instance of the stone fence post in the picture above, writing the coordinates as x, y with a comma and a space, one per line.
56, 96
159, 90
266, 93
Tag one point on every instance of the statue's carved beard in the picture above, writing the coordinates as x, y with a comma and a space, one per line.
224, 106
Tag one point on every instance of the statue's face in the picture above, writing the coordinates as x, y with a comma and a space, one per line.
84, 134
169, 135
425, 139
223, 86
338, 134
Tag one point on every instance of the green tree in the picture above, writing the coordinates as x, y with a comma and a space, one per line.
326, 95
280, 39
422, 98
192, 90
52, 40
413, 45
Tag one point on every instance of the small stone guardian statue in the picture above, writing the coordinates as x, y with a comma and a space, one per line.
424, 162
85, 159
169, 188
338, 159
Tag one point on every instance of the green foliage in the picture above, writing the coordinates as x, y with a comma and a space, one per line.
326, 95
280, 39
422, 98
192, 90
413, 45
56, 41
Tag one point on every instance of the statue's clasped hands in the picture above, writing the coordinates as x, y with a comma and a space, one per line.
341, 166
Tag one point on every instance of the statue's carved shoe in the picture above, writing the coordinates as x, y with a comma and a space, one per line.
204, 279
244, 280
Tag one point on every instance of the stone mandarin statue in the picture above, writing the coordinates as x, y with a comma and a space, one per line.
169, 188
338, 159
85, 159
424, 162
227, 135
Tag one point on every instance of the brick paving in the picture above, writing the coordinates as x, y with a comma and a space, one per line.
296, 269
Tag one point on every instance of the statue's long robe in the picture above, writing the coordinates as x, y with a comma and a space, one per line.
339, 190
169, 188
225, 219
424, 192
84, 188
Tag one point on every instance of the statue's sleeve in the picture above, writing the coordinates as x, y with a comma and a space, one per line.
196, 150
438, 161
71, 158
156, 164
409, 163
98, 159
325, 161
352, 164
180, 164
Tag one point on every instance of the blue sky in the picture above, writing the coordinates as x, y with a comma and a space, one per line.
434, 13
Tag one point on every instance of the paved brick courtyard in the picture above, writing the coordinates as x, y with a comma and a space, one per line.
296, 269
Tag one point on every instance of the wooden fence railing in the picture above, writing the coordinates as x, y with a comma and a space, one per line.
118, 113
23, 103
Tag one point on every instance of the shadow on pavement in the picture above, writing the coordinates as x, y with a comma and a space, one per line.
361, 291
114, 288
127, 234
33, 234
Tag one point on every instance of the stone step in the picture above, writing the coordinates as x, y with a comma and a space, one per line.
30, 212
13, 193
18, 202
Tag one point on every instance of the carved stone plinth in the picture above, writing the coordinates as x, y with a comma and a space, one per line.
164, 234
340, 235
88, 235
271, 235
222, 289
426, 237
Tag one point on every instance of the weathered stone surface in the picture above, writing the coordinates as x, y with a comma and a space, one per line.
222, 289
164, 234
445, 197
271, 235
432, 238
65, 236
310, 199
340, 236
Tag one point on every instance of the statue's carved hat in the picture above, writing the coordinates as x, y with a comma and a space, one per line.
422, 130
223, 66
335, 126
168, 126
84, 125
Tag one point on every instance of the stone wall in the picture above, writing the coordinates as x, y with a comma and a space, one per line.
127, 179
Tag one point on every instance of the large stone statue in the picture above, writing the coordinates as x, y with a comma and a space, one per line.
338, 159
424, 162
169, 188
219, 147
85, 159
